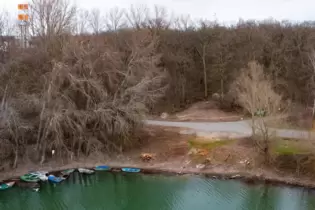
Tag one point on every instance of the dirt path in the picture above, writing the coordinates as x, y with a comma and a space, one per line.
242, 127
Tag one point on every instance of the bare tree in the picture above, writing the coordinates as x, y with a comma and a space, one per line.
115, 19
7, 32
96, 21
82, 22
183, 23
255, 92
312, 84
222, 54
51, 17
6, 24
204, 39
137, 16
159, 19
2, 23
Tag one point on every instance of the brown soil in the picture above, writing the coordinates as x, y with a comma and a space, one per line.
171, 154
302, 119
204, 111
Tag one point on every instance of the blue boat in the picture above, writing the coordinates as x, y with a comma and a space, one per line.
102, 168
55, 179
131, 170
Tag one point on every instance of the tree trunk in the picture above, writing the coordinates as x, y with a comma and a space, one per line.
266, 152
204, 71
253, 125
222, 88
16, 157
313, 116
43, 156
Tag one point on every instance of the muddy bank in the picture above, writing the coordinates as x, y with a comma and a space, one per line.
224, 172
173, 155
258, 176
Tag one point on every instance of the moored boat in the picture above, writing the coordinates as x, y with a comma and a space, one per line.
42, 175
67, 172
65, 176
30, 177
102, 168
85, 171
55, 179
6, 185
131, 170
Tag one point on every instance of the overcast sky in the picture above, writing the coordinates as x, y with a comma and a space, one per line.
223, 10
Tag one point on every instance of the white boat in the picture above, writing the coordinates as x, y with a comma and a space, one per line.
85, 171
41, 175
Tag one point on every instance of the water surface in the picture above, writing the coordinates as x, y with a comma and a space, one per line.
116, 191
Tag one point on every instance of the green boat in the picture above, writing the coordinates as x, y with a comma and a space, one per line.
6, 185
30, 178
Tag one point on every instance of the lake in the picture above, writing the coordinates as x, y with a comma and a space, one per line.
117, 191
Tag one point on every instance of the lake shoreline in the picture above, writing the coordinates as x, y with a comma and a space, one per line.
171, 155
252, 176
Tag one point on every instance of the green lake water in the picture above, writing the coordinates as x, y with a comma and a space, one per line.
116, 191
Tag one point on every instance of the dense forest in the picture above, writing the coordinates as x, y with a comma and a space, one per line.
86, 79
205, 60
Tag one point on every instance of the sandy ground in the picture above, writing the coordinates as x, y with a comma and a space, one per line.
173, 153
202, 111
300, 117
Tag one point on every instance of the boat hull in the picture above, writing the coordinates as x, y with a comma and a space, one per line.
67, 172
131, 170
102, 168
54, 179
85, 171
30, 178
6, 185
